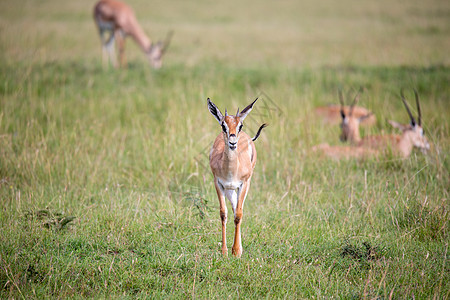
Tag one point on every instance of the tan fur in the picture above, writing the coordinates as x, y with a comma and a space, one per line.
344, 152
400, 144
240, 166
330, 114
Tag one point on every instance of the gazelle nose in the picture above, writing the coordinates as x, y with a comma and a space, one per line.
232, 135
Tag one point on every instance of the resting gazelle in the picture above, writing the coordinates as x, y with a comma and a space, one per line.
350, 120
232, 160
331, 114
412, 134
351, 117
402, 145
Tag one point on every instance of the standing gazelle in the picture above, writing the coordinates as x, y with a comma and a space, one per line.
232, 160
119, 20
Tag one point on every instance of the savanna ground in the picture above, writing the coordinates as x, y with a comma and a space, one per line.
104, 181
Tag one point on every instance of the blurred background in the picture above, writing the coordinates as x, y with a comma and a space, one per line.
292, 33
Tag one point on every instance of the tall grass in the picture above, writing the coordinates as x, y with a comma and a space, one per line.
104, 181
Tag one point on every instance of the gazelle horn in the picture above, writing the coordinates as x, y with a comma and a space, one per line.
341, 100
355, 100
413, 121
418, 108
166, 42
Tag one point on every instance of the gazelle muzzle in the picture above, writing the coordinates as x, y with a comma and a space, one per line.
232, 141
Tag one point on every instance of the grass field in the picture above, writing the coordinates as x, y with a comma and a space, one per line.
105, 188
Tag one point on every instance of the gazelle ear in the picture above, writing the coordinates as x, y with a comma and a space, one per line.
215, 111
362, 118
401, 127
246, 111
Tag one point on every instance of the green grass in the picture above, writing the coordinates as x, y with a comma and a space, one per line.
104, 181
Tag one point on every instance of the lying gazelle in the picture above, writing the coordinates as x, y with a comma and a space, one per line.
118, 19
331, 114
350, 120
412, 135
351, 117
344, 151
232, 160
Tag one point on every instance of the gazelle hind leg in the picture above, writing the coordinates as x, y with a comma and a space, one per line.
237, 249
120, 38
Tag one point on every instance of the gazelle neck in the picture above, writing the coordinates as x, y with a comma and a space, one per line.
354, 137
230, 156
141, 38
405, 145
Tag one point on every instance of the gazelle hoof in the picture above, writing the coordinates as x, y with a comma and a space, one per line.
237, 253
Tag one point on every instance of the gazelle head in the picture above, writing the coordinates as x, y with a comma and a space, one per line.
156, 51
414, 131
350, 123
231, 125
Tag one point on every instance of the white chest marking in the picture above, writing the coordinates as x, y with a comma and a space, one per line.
231, 189
230, 185
105, 25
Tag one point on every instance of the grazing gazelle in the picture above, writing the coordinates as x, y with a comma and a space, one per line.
232, 160
412, 134
118, 19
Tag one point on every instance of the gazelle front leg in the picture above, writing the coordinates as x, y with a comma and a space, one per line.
108, 53
236, 250
223, 216
120, 37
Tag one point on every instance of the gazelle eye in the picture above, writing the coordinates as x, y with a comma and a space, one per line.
240, 128
224, 128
